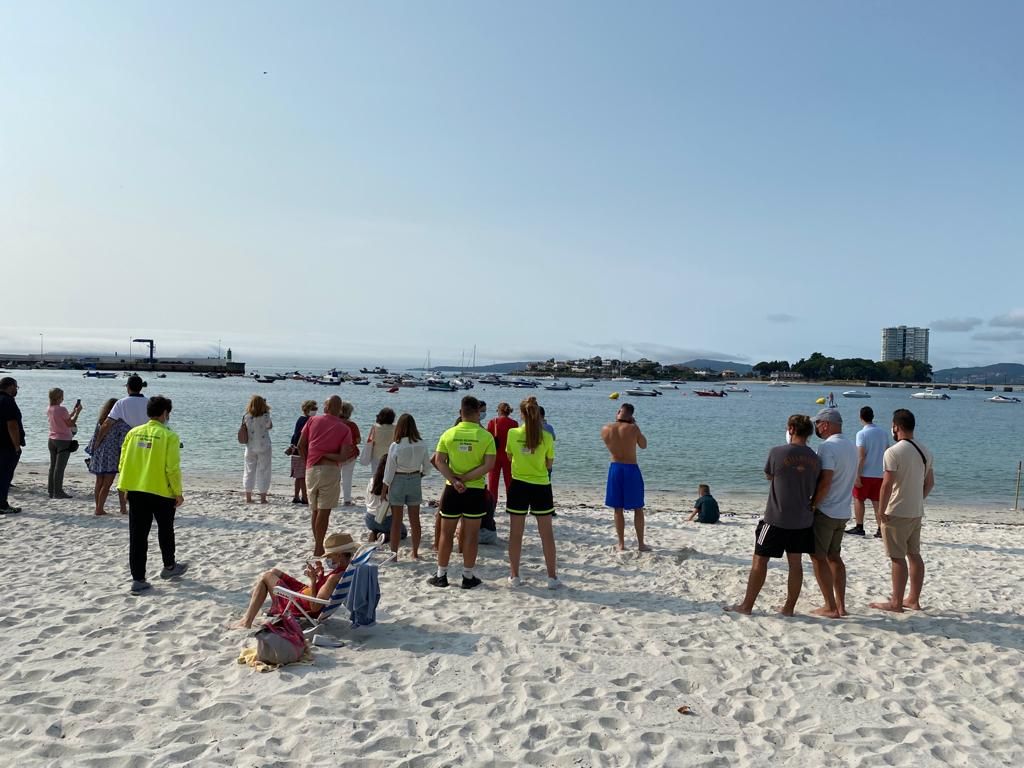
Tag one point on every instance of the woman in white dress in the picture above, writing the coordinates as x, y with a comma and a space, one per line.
256, 476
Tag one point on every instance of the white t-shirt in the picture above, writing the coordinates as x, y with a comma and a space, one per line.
131, 410
259, 432
909, 471
874, 440
839, 455
407, 456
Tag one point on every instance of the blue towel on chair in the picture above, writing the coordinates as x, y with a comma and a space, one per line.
363, 596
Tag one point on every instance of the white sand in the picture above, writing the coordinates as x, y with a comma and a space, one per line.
591, 675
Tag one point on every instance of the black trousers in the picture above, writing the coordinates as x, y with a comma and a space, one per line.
142, 508
8, 461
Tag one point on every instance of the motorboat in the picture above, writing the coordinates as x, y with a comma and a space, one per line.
99, 375
557, 386
265, 379
327, 380
360, 382
1002, 399
855, 393
777, 383
442, 386
667, 386
931, 394
643, 392
377, 369
734, 388
710, 393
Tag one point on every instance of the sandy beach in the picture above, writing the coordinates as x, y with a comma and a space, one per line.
591, 675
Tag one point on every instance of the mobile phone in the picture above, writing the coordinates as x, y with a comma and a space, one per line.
78, 403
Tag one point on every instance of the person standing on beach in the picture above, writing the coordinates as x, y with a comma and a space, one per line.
349, 467
499, 428
531, 451
408, 462
788, 524
258, 454
12, 440
908, 479
298, 464
63, 426
625, 486
831, 505
464, 455
128, 412
325, 444
103, 464
872, 442
382, 434
151, 478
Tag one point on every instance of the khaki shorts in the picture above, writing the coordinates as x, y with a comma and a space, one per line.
828, 534
323, 486
902, 536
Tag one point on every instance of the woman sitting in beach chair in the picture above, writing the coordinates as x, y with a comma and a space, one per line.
323, 578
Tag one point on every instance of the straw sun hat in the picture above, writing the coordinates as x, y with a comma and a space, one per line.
339, 542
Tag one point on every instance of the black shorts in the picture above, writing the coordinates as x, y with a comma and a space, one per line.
529, 497
772, 541
471, 503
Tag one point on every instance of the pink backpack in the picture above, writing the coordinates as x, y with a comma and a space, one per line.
280, 641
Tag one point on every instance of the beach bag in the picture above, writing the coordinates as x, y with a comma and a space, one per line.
74, 446
280, 641
365, 455
243, 433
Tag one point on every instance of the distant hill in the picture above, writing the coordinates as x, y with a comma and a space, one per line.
701, 364
1000, 373
496, 368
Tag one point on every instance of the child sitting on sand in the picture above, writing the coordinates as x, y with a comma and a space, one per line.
705, 509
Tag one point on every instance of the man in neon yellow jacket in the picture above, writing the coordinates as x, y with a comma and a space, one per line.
150, 471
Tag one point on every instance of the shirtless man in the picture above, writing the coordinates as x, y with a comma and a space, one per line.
625, 487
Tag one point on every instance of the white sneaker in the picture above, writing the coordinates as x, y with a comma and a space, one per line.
514, 581
555, 584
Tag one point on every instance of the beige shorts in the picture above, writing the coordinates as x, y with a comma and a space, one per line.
902, 536
828, 534
323, 486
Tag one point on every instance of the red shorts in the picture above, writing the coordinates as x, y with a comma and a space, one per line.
279, 605
870, 489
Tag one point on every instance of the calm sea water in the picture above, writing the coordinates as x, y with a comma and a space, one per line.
720, 441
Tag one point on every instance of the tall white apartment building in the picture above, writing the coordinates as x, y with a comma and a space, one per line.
905, 343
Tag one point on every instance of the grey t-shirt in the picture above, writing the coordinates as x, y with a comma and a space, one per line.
794, 470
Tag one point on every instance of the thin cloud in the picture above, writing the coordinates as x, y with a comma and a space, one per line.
1012, 319
999, 336
781, 317
956, 324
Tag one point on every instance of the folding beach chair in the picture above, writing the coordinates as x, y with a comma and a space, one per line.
338, 597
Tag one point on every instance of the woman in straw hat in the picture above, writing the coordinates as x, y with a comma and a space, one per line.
323, 578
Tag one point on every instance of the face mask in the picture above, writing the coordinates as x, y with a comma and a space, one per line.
329, 564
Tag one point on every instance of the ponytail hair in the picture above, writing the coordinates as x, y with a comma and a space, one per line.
533, 422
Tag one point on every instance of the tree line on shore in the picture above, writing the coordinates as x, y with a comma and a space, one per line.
819, 366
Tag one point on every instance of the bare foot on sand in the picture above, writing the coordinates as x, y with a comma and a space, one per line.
913, 606
887, 606
100, 512
738, 608
825, 612
784, 611
620, 547
645, 548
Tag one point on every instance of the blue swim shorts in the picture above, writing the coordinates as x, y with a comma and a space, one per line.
625, 488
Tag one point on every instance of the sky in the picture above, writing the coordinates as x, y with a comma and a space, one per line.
371, 182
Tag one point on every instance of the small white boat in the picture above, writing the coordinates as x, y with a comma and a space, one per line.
265, 379
734, 388
1002, 399
667, 386
643, 392
777, 383
930, 394
329, 381
558, 386
99, 375
855, 393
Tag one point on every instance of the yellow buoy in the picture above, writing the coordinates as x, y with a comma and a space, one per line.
613, 396
820, 401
